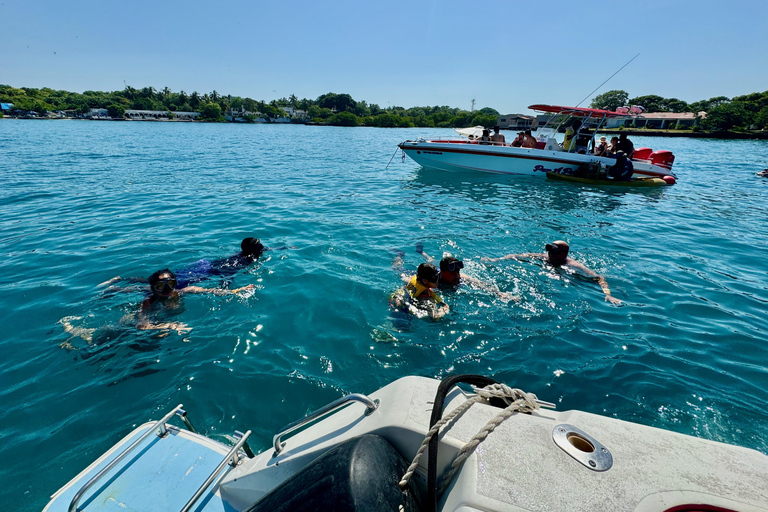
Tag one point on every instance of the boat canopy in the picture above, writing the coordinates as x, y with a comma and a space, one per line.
474, 131
577, 111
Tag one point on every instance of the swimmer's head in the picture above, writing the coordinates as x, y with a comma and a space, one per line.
557, 252
428, 274
251, 247
163, 282
450, 268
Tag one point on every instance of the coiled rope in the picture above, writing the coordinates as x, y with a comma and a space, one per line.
517, 400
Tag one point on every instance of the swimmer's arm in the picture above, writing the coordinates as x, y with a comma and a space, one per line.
488, 287
607, 291
179, 327
598, 278
127, 279
216, 291
438, 312
125, 289
525, 255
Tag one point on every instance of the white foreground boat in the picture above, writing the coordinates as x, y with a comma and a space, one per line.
351, 458
548, 156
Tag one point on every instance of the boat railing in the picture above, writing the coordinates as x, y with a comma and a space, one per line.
232, 458
370, 406
160, 428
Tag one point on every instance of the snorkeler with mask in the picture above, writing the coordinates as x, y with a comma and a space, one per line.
452, 278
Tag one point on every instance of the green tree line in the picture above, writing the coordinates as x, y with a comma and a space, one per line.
330, 108
748, 112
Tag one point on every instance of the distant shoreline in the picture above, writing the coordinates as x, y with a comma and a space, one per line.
609, 131
693, 135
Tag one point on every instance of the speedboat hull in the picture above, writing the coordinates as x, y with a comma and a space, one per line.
458, 156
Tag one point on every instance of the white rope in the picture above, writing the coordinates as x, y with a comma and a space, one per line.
518, 400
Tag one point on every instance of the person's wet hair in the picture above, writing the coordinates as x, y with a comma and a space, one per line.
154, 278
252, 247
427, 272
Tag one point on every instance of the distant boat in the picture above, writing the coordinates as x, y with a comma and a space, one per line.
548, 156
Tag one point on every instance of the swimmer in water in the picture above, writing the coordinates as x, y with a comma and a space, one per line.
452, 278
250, 250
557, 256
418, 296
164, 291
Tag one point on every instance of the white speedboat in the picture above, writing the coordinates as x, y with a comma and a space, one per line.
499, 449
548, 156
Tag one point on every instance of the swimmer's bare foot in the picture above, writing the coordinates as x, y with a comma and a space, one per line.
66, 345
83, 332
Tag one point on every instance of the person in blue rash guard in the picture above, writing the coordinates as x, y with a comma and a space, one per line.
201, 270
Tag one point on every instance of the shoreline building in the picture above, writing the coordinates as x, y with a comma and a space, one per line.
658, 120
517, 122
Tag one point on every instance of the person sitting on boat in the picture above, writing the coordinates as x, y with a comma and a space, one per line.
612, 147
451, 277
530, 140
557, 256
625, 145
486, 138
518, 142
622, 169
568, 140
497, 138
418, 295
601, 149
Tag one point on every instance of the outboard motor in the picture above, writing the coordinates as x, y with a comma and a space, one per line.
663, 159
642, 154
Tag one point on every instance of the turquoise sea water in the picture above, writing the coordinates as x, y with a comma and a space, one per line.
82, 202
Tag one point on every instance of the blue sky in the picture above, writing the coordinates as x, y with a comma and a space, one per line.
505, 55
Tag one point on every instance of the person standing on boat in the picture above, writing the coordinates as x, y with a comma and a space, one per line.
497, 138
568, 140
557, 256
530, 141
625, 145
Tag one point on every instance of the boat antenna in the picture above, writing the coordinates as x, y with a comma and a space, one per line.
613, 75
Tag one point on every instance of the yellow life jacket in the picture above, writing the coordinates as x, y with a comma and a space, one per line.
418, 291
568, 140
